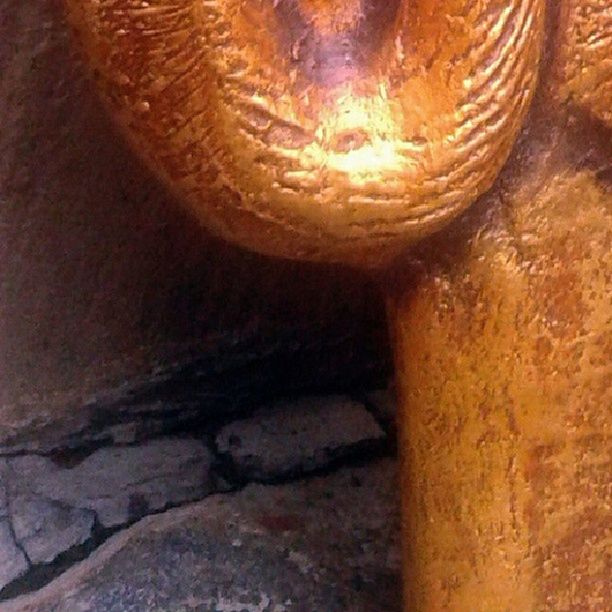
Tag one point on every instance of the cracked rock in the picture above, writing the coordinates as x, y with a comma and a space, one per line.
326, 544
46, 528
299, 436
13, 562
120, 484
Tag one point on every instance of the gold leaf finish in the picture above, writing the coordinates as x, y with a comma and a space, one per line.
314, 130
585, 56
348, 131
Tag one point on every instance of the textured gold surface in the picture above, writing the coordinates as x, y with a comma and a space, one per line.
585, 54
504, 362
502, 328
502, 321
315, 130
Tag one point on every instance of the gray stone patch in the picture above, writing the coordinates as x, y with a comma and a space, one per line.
325, 544
3, 492
13, 562
119, 484
45, 529
298, 436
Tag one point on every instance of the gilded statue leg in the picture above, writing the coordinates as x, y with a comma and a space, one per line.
504, 361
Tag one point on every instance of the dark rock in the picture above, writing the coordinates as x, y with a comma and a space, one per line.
320, 544
13, 562
158, 474
298, 437
384, 405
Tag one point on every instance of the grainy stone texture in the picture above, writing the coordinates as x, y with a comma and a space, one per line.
299, 436
46, 528
3, 492
325, 544
119, 484
52, 504
13, 562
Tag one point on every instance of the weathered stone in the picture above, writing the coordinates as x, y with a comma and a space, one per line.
328, 544
3, 497
13, 562
45, 528
119, 484
299, 436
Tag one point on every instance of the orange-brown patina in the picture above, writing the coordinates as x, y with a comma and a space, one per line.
360, 133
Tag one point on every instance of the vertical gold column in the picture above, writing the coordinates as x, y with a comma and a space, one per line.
504, 363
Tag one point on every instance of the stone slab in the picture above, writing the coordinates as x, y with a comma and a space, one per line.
45, 528
119, 484
298, 437
13, 562
323, 544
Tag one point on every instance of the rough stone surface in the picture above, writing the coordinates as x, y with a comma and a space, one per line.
50, 504
3, 493
119, 484
300, 436
45, 529
13, 562
325, 544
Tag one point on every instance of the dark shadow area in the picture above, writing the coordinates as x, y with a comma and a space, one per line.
107, 283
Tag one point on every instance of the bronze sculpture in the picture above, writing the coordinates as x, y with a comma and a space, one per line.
361, 134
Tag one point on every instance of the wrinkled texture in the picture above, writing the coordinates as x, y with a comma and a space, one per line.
584, 46
335, 132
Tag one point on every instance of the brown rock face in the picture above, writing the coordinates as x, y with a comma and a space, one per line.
344, 133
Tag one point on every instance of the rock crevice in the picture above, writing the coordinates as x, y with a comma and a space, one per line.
56, 509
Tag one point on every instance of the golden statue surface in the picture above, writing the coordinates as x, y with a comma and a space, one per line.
461, 151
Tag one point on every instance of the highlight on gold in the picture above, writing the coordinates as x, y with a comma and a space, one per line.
349, 131
318, 130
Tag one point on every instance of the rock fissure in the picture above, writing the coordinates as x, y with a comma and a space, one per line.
60, 507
